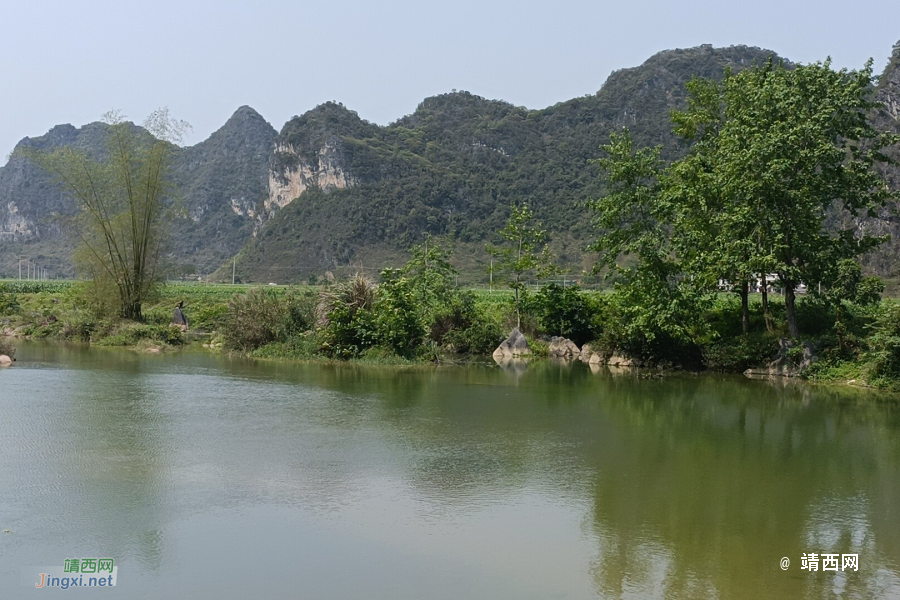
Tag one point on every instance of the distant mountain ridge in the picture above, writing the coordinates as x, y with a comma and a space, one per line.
332, 192
454, 166
220, 183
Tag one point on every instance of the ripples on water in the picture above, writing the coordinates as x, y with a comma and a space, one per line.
224, 478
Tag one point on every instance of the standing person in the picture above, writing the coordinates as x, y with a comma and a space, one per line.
179, 318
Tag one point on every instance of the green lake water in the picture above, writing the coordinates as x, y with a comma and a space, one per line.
209, 477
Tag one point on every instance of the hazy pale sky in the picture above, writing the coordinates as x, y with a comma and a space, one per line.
69, 62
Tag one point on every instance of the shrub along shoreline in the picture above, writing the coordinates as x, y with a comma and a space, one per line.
415, 317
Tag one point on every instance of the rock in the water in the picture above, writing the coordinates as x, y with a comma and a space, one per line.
514, 345
561, 347
5, 360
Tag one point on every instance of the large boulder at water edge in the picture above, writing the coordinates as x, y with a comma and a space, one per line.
5, 360
585, 354
514, 345
561, 347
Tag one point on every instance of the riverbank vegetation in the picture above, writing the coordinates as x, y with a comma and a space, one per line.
406, 319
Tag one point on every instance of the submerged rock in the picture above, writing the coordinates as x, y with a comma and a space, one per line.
514, 345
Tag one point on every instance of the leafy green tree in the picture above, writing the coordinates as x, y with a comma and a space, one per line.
793, 145
524, 252
884, 343
347, 318
398, 314
565, 311
775, 150
630, 217
122, 199
850, 288
634, 218
432, 276
715, 239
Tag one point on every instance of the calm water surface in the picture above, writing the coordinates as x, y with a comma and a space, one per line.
208, 477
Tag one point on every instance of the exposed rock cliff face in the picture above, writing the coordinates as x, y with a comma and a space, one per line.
290, 176
367, 193
312, 151
889, 88
884, 260
453, 167
15, 225
29, 201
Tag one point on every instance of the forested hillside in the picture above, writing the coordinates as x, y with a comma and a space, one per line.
455, 165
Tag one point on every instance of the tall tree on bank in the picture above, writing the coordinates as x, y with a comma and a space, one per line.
718, 237
523, 253
775, 151
794, 145
635, 217
122, 200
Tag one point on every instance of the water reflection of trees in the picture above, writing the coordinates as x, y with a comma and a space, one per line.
711, 481
699, 484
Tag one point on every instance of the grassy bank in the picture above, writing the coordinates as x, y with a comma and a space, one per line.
410, 318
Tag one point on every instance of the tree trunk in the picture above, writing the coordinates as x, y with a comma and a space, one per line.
790, 309
764, 288
745, 306
839, 326
132, 311
518, 317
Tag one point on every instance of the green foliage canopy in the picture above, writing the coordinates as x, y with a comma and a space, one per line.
122, 200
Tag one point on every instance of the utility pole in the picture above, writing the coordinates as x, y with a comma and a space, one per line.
20, 269
233, 265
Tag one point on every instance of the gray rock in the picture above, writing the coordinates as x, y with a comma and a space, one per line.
618, 360
514, 345
586, 353
561, 347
